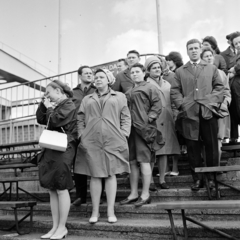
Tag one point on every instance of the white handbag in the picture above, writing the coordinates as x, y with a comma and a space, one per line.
53, 139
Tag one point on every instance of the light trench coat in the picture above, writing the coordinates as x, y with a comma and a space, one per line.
165, 121
103, 130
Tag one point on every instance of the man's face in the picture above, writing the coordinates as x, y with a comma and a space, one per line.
86, 76
132, 58
121, 66
194, 51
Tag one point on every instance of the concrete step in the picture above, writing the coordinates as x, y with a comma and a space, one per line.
149, 211
125, 228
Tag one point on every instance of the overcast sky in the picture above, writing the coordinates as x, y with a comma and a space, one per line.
98, 31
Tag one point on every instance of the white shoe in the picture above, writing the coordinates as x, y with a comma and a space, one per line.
61, 236
112, 219
93, 220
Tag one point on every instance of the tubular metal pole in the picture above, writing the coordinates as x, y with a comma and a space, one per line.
159, 27
59, 37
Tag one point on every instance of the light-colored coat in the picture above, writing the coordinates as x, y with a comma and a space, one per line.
193, 90
103, 128
165, 121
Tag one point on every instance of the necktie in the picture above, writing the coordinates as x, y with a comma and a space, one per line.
85, 89
194, 66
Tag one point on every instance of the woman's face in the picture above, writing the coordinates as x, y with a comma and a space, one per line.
137, 75
171, 65
208, 57
100, 80
236, 43
53, 94
155, 70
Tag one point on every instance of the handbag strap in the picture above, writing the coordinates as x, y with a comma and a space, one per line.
48, 123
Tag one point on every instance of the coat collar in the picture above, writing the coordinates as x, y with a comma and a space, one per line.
200, 66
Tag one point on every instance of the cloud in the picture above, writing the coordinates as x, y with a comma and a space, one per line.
140, 40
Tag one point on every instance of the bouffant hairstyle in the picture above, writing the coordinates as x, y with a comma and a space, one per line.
206, 49
213, 42
81, 69
64, 88
138, 65
176, 57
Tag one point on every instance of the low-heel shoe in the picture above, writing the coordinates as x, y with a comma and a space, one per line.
141, 202
60, 236
127, 201
112, 219
94, 219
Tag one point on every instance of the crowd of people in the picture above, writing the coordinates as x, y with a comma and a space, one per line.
144, 116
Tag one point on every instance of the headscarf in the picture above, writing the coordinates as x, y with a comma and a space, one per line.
110, 77
157, 59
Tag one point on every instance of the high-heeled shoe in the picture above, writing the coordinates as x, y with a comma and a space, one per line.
141, 202
60, 236
47, 235
127, 201
112, 219
93, 220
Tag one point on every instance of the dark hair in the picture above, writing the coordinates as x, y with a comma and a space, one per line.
192, 41
229, 36
139, 65
81, 69
213, 42
206, 49
123, 60
99, 70
233, 36
176, 57
64, 88
134, 52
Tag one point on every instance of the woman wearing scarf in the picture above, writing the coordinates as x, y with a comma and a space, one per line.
104, 126
165, 122
145, 106
55, 166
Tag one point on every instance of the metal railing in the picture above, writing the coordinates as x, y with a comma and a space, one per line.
18, 105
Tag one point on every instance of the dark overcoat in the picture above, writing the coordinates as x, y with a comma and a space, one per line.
194, 90
55, 166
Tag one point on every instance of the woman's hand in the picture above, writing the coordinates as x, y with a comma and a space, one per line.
47, 103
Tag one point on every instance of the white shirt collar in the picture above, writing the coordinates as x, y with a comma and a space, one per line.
197, 62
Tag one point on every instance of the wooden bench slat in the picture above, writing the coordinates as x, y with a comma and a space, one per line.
20, 151
19, 179
17, 204
218, 169
18, 165
219, 204
230, 147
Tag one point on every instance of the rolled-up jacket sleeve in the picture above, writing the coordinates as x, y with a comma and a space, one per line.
156, 104
125, 117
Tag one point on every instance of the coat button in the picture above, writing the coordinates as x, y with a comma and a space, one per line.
196, 89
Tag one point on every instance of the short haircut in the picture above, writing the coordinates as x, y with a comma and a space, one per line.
139, 65
134, 52
123, 60
176, 57
206, 49
81, 69
192, 41
234, 35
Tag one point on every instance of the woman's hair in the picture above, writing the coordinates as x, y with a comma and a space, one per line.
213, 42
138, 65
64, 88
206, 49
176, 57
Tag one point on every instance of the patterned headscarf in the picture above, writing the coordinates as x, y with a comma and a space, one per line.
110, 77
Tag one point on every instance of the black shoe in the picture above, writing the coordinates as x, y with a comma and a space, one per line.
153, 187
197, 185
77, 202
164, 185
141, 202
127, 201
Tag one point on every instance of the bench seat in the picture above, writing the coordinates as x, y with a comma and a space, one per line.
184, 205
16, 206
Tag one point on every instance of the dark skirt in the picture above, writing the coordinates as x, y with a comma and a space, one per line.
139, 149
55, 168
